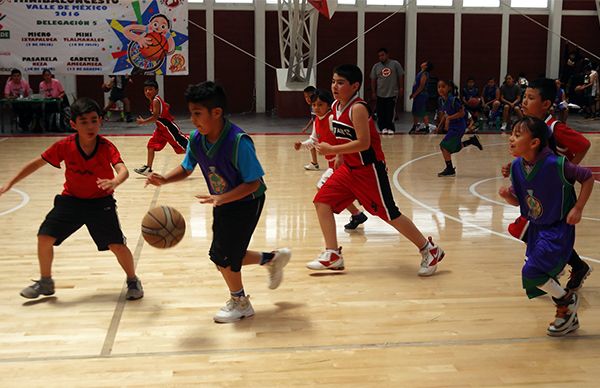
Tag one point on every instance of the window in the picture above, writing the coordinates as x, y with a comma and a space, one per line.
195, 1
442, 3
481, 3
385, 2
235, 1
529, 3
352, 2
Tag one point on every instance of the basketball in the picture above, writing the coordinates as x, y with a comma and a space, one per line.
473, 102
163, 227
157, 47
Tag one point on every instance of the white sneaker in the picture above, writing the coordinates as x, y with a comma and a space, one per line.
235, 309
329, 259
503, 127
275, 266
144, 170
328, 173
312, 167
431, 256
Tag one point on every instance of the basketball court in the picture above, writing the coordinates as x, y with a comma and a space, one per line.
375, 324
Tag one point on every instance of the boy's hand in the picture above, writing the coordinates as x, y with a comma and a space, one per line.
155, 179
574, 216
506, 170
297, 145
214, 200
108, 185
4, 189
324, 148
505, 193
139, 120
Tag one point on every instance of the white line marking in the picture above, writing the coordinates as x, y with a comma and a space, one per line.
434, 210
24, 201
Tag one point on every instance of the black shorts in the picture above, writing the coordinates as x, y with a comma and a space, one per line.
233, 226
116, 94
69, 214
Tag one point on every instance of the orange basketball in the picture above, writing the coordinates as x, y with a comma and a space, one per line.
473, 102
163, 227
157, 47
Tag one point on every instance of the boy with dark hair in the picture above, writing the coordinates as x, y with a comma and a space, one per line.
542, 185
17, 87
233, 174
537, 102
86, 199
308, 93
362, 176
166, 131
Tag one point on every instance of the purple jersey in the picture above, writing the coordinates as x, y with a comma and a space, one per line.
451, 106
545, 196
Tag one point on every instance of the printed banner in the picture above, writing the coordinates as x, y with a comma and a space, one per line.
94, 36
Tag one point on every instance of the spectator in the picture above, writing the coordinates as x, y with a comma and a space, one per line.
387, 83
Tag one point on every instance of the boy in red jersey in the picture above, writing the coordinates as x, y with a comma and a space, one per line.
537, 101
362, 176
166, 130
86, 199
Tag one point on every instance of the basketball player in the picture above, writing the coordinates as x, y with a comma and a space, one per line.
362, 176
86, 199
542, 185
233, 174
166, 130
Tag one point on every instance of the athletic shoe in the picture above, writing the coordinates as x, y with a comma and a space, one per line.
412, 130
475, 141
134, 289
328, 259
312, 167
235, 309
503, 127
275, 266
144, 170
356, 220
39, 287
576, 278
447, 172
566, 314
431, 256
518, 228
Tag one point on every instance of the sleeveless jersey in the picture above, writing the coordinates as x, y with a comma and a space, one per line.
451, 106
164, 109
545, 196
219, 162
324, 133
344, 132
418, 82
489, 93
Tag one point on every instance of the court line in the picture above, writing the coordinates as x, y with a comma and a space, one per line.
3, 139
113, 328
437, 211
311, 348
24, 201
473, 190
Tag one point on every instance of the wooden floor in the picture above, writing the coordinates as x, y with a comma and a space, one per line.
376, 324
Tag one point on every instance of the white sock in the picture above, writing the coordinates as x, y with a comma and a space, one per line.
552, 288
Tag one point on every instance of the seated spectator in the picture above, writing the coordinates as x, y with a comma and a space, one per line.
471, 100
510, 97
52, 88
17, 87
490, 100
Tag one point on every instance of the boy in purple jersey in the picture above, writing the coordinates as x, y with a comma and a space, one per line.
233, 174
542, 186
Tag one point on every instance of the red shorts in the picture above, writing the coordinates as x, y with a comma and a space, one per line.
168, 132
367, 184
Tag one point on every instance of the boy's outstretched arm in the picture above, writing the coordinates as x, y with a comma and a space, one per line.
507, 194
176, 174
27, 170
574, 215
155, 114
239, 192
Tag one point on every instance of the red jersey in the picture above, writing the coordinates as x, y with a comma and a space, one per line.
83, 170
324, 133
568, 141
344, 132
164, 113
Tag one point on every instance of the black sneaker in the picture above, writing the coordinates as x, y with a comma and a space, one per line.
447, 172
356, 220
475, 141
412, 130
39, 287
144, 170
134, 289
576, 278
